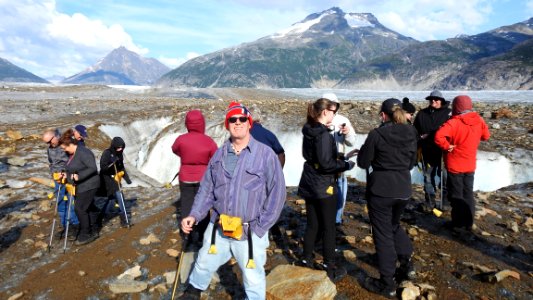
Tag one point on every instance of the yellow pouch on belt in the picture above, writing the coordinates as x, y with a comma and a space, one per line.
70, 189
118, 176
57, 178
231, 226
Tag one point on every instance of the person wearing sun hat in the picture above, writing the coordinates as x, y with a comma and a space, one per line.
244, 180
427, 122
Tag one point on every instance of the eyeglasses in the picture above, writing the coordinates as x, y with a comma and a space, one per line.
50, 141
241, 119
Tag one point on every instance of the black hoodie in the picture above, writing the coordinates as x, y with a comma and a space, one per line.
321, 164
110, 159
391, 152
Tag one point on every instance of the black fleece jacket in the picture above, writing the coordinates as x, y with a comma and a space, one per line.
321, 163
109, 160
391, 152
428, 121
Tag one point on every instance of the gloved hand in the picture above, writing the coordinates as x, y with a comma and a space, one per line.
349, 165
128, 181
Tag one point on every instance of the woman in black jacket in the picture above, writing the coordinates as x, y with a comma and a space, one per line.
318, 183
388, 154
82, 172
111, 163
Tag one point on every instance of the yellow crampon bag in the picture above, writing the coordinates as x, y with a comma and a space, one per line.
118, 176
231, 226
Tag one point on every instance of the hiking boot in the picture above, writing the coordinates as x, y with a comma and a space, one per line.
59, 234
406, 270
73, 231
307, 263
379, 286
191, 293
335, 273
85, 239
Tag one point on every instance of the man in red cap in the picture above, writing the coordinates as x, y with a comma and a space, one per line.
244, 180
459, 137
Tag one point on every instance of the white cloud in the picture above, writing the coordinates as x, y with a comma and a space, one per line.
36, 37
174, 62
529, 6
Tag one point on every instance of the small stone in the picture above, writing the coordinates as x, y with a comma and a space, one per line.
350, 239
133, 272
300, 202
40, 236
16, 296
35, 217
288, 232
82, 273
349, 255
413, 231
528, 222
368, 239
170, 277
40, 244
173, 252
173, 241
37, 255
496, 126
410, 292
29, 241
126, 285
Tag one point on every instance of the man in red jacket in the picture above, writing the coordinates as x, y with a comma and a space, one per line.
195, 149
459, 137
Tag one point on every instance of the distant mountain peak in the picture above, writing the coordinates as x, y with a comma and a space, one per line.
121, 66
328, 21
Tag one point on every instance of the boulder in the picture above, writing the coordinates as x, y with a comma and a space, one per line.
293, 282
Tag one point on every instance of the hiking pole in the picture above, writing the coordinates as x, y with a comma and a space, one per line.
174, 177
55, 215
69, 206
441, 204
178, 268
121, 200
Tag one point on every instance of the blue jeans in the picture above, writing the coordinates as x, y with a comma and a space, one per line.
342, 186
206, 264
62, 205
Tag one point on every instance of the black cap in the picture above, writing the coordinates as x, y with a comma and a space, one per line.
388, 105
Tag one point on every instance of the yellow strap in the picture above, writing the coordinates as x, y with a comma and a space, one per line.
212, 249
250, 264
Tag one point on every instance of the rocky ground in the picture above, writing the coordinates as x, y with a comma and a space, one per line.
450, 265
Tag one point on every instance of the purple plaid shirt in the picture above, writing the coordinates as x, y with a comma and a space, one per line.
255, 192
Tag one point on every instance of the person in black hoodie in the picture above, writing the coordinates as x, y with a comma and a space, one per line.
111, 164
83, 173
427, 122
318, 184
388, 155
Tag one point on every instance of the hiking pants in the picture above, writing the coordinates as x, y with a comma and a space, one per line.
461, 196
206, 264
390, 238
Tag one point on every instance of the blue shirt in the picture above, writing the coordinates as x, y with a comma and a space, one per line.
266, 137
254, 192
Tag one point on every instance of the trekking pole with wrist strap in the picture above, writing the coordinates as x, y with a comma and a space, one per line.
122, 202
60, 186
69, 206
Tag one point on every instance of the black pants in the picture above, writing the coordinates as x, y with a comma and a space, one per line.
390, 239
461, 196
188, 192
321, 215
86, 211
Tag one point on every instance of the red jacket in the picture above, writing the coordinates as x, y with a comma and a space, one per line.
194, 148
465, 132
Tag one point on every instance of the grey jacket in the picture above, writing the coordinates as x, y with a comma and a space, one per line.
57, 158
84, 163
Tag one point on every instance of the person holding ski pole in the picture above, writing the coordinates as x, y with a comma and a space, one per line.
57, 159
83, 173
195, 149
112, 171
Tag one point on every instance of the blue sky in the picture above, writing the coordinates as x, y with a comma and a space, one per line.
63, 37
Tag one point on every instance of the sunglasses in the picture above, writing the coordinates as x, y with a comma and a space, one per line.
241, 119
50, 141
